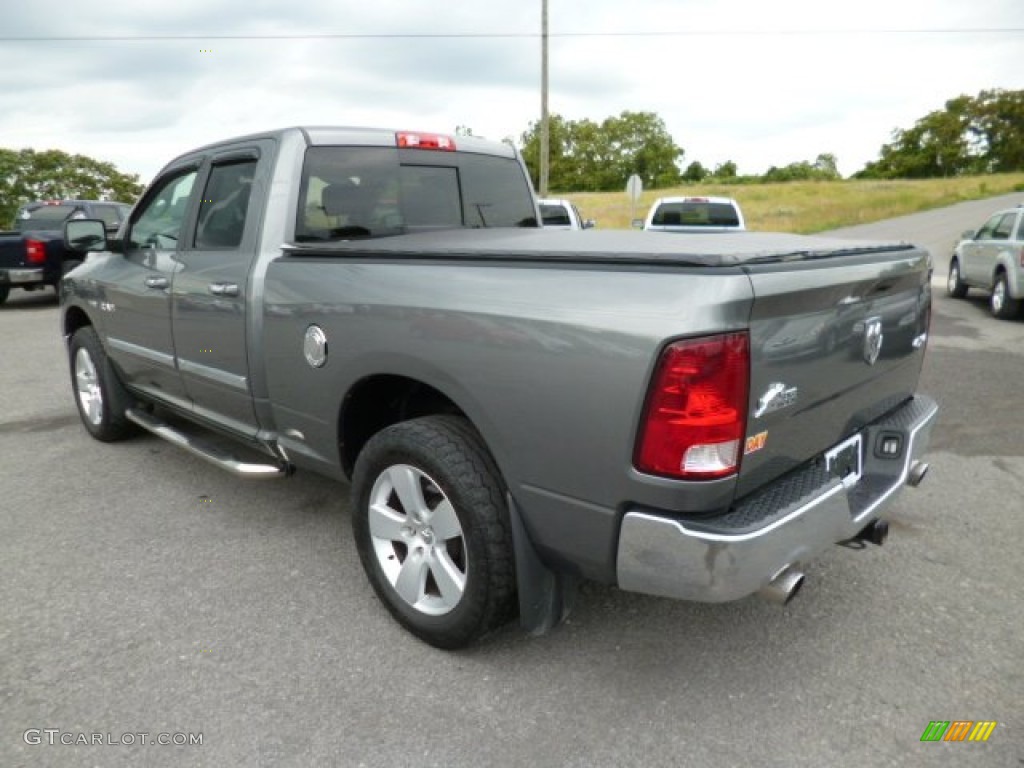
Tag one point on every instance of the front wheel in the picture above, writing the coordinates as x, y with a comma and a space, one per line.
1002, 306
955, 285
5, 291
432, 529
100, 396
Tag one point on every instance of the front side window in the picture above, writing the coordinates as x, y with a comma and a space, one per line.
1005, 227
986, 232
159, 223
360, 192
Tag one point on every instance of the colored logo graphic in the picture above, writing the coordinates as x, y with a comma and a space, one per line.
958, 730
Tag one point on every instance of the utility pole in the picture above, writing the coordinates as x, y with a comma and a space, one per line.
544, 149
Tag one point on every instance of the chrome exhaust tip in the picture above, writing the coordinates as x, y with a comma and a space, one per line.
783, 587
917, 472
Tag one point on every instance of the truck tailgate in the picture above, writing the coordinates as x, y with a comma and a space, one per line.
836, 342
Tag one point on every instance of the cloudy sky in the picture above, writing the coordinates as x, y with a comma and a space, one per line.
759, 83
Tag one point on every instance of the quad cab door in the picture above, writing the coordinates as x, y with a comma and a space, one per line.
209, 308
135, 304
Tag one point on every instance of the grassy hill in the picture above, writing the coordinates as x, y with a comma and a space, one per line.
810, 206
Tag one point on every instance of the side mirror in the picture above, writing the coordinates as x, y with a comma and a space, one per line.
84, 235
968, 234
638, 223
589, 224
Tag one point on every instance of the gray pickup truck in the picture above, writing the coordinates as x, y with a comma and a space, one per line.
515, 408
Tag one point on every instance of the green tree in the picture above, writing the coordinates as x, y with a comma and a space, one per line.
981, 134
695, 172
27, 175
589, 156
823, 168
726, 170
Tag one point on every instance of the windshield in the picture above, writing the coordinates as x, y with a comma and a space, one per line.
359, 192
696, 214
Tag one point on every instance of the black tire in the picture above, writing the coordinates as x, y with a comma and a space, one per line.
955, 285
435, 459
5, 291
1002, 306
100, 396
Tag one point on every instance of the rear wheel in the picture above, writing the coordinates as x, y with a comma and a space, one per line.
955, 286
100, 396
5, 291
432, 529
1002, 306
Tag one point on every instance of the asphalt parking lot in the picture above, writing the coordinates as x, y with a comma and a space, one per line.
145, 591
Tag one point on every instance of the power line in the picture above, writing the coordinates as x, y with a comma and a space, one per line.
509, 35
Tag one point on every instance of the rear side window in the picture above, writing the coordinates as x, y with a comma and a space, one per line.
111, 215
696, 214
359, 192
224, 205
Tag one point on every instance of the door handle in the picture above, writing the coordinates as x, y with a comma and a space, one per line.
223, 289
156, 282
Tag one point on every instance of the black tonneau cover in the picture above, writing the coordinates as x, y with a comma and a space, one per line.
611, 246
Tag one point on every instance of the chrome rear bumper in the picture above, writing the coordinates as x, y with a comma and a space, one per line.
793, 519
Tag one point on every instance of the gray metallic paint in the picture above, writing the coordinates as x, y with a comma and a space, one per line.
546, 340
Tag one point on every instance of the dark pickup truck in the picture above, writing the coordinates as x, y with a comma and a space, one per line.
515, 408
32, 255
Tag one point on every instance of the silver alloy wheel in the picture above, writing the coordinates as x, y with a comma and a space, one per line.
90, 396
954, 278
998, 296
418, 540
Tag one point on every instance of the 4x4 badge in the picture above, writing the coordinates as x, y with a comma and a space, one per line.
777, 397
872, 340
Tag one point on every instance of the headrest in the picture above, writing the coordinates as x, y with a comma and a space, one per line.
343, 197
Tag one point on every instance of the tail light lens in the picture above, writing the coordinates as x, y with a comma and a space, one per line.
695, 417
35, 252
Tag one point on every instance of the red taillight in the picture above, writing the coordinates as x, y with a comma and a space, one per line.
35, 252
408, 140
696, 412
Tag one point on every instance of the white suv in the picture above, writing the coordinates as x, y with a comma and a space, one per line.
694, 214
992, 259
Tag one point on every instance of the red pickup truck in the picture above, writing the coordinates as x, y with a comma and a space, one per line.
32, 255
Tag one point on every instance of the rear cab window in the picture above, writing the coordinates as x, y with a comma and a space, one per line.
365, 192
555, 215
696, 214
45, 216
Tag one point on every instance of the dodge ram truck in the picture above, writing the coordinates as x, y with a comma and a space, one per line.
514, 408
33, 256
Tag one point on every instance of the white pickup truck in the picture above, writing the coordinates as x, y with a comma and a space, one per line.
694, 214
562, 214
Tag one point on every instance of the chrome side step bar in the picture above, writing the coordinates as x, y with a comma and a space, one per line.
212, 454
